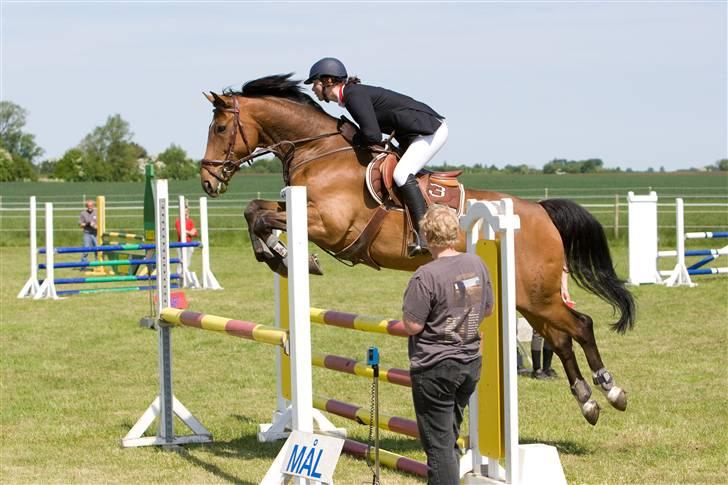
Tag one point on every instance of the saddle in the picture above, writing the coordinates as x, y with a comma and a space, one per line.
437, 188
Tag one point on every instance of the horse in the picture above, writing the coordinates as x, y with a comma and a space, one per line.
274, 115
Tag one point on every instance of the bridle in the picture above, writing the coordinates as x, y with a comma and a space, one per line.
284, 150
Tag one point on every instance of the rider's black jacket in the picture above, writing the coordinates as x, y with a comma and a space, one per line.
377, 110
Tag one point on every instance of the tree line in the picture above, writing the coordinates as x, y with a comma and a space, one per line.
109, 153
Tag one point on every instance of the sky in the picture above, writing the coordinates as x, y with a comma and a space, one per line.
637, 84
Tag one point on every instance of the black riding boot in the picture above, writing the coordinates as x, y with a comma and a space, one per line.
415, 202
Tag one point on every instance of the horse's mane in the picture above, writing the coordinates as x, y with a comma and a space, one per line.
277, 85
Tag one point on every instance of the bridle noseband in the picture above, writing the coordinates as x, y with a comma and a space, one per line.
284, 150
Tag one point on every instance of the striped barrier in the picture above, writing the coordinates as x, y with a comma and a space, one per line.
236, 328
493, 427
165, 406
358, 322
338, 363
387, 458
122, 235
396, 424
136, 263
706, 235
644, 253
681, 273
299, 411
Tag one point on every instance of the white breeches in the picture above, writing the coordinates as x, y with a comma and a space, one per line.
420, 151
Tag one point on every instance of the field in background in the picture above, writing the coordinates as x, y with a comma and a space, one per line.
227, 225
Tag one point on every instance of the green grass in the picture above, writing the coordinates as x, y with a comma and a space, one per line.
77, 373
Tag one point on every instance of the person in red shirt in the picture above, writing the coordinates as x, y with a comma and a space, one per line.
191, 230
190, 233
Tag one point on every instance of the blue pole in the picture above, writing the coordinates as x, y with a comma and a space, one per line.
121, 262
118, 247
701, 252
702, 262
704, 271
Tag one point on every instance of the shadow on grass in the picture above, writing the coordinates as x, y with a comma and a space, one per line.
564, 447
209, 467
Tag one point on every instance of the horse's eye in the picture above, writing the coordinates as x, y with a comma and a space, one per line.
220, 128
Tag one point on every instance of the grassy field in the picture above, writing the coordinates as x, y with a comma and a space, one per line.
76, 374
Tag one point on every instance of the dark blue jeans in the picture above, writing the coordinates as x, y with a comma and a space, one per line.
440, 394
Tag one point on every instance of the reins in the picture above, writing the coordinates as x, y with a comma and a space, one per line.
284, 150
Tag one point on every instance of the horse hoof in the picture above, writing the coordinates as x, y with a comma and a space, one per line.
314, 267
617, 398
590, 411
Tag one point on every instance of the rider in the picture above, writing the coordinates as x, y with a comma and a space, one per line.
419, 130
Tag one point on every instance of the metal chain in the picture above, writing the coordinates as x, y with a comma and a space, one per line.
371, 432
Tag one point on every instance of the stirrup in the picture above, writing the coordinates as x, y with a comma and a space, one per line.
416, 248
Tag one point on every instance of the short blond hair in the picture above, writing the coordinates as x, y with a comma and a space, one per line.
440, 226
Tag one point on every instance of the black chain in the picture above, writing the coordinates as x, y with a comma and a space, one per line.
371, 433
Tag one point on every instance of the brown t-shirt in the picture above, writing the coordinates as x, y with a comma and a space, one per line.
450, 296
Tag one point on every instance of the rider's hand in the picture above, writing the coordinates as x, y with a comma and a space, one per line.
347, 129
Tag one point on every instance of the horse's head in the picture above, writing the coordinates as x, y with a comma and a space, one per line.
230, 138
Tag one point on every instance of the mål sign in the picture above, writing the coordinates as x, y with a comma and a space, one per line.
307, 455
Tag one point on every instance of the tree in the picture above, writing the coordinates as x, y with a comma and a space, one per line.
7, 166
722, 165
12, 137
176, 164
19, 145
109, 154
70, 166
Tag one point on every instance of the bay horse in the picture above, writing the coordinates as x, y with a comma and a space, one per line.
274, 115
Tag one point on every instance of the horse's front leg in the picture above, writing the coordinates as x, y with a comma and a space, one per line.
264, 216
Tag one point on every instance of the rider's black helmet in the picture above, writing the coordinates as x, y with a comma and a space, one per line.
328, 66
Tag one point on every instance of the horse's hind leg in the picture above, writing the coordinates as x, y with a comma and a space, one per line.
561, 342
616, 396
559, 325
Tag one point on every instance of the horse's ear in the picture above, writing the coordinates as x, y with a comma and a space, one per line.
209, 97
218, 102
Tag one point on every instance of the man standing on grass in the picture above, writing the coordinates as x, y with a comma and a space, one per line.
444, 303
87, 221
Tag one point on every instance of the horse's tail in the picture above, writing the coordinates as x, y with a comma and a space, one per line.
588, 258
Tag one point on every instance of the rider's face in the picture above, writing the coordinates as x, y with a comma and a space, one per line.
318, 89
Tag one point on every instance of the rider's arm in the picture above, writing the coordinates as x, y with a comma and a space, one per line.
361, 109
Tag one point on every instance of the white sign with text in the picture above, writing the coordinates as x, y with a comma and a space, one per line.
306, 455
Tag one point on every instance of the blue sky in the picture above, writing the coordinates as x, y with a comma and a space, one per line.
637, 84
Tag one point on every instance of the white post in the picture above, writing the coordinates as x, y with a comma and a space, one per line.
534, 463
189, 279
32, 286
510, 374
642, 236
209, 281
48, 288
299, 305
680, 275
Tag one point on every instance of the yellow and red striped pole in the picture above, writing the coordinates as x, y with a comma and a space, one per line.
363, 323
236, 328
338, 363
